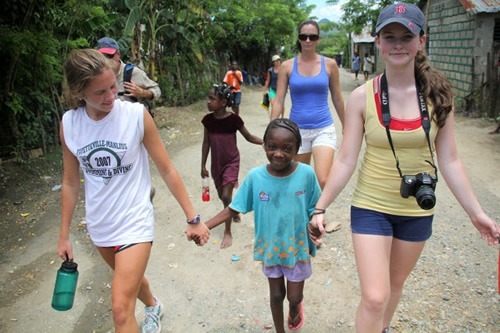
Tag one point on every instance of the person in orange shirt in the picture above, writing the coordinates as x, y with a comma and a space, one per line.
234, 78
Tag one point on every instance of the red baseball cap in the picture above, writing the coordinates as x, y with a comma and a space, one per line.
107, 45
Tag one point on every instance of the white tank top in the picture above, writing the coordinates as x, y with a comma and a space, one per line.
115, 168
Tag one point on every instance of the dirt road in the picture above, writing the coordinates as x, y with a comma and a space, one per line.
453, 288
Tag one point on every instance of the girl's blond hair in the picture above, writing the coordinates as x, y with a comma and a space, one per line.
80, 68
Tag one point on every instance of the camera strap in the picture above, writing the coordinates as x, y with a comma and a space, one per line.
424, 116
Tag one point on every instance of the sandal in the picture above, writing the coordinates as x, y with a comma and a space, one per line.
301, 322
332, 227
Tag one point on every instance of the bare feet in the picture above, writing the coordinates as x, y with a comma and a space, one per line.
227, 241
496, 131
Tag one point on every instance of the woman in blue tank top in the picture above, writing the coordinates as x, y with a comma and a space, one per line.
311, 78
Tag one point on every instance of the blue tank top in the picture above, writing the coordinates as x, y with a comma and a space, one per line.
309, 96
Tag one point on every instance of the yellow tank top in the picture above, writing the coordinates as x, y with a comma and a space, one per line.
378, 183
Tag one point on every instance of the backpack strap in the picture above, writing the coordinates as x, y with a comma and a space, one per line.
127, 77
127, 72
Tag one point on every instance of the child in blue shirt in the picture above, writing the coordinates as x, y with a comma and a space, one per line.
282, 195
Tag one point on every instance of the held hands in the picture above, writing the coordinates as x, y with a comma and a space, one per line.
316, 228
198, 232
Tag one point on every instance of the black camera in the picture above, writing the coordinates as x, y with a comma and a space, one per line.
421, 186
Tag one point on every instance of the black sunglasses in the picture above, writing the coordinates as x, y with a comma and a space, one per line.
109, 56
312, 37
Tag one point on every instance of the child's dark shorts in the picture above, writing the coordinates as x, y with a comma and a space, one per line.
237, 98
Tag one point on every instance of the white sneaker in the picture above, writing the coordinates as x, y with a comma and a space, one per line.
152, 322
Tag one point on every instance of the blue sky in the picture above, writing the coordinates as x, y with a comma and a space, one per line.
322, 10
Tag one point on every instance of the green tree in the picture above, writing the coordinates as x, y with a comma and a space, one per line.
251, 31
34, 38
187, 33
185, 44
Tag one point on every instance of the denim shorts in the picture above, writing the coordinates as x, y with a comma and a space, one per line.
325, 136
299, 273
237, 98
406, 228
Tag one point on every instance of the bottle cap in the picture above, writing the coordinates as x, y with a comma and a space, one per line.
69, 266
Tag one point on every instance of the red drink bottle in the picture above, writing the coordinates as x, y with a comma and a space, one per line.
205, 194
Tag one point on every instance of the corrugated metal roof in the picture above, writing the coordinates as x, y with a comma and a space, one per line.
364, 37
481, 6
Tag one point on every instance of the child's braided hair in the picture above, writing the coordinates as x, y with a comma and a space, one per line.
288, 125
225, 91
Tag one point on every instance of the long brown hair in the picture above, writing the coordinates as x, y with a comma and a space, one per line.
435, 87
80, 68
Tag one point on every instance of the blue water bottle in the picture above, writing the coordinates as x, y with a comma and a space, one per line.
64, 290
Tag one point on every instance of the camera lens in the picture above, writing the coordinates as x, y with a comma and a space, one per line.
426, 198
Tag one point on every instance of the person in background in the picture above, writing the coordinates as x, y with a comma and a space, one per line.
219, 139
109, 140
311, 77
140, 88
496, 130
234, 78
338, 59
282, 195
271, 83
355, 64
367, 66
405, 115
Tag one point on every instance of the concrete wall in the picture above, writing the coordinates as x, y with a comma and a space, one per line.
485, 25
459, 43
451, 34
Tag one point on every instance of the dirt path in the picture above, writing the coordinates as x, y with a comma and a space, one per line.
453, 288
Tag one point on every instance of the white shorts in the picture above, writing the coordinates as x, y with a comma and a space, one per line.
325, 136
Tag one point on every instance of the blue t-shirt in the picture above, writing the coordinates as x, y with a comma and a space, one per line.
309, 96
282, 206
355, 63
